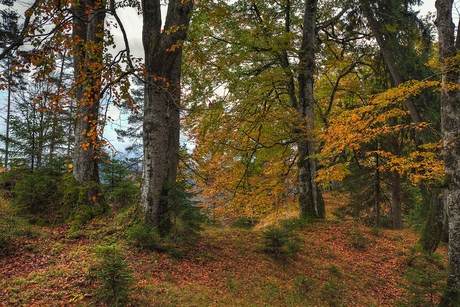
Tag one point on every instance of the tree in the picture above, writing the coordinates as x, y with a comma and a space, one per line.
32, 133
161, 126
88, 35
382, 16
450, 125
310, 199
132, 132
52, 28
9, 27
263, 55
9, 30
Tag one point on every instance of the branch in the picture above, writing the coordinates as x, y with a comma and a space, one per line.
22, 36
113, 11
327, 23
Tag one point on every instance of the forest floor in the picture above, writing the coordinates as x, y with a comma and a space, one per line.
341, 263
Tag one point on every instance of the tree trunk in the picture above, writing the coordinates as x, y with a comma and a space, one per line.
434, 228
33, 125
389, 61
88, 31
161, 127
8, 115
377, 190
53, 139
396, 198
450, 126
310, 196
396, 201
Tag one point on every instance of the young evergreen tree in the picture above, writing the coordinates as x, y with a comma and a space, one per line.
32, 128
9, 30
132, 131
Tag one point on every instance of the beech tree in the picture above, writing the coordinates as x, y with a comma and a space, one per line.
88, 36
264, 59
450, 125
161, 125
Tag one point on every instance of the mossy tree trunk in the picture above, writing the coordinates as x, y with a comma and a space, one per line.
88, 35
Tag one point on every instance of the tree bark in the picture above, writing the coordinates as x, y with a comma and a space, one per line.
396, 198
310, 197
450, 127
377, 190
389, 61
161, 127
396, 201
8, 115
434, 228
88, 31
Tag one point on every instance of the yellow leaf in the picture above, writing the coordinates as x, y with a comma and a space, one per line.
70, 166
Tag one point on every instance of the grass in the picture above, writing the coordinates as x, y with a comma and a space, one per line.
340, 264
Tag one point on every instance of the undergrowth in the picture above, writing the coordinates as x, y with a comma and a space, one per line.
113, 260
12, 228
113, 275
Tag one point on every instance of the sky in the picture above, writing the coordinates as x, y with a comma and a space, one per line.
428, 6
133, 25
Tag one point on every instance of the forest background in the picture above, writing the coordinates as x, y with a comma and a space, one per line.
133, 24
285, 103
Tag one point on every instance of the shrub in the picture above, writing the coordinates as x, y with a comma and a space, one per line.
78, 202
12, 228
183, 213
279, 243
334, 292
123, 193
9, 179
144, 236
424, 279
180, 223
119, 181
296, 223
243, 223
36, 191
113, 274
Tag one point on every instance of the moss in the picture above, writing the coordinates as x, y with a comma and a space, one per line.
446, 181
82, 203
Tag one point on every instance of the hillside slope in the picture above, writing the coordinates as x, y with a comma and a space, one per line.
339, 264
